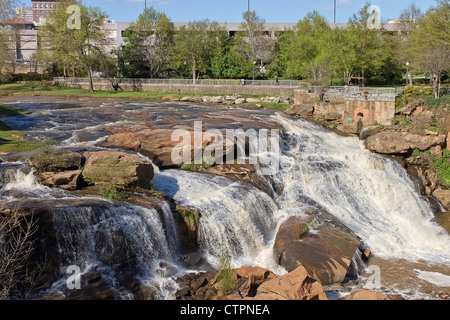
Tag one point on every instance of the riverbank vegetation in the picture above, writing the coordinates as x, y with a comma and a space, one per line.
312, 50
13, 140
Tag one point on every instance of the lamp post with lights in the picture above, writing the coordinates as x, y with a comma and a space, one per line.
407, 72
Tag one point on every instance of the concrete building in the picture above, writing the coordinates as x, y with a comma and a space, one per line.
29, 19
23, 45
25, 13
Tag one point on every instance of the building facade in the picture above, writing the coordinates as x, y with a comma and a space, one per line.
42, 9
28, 20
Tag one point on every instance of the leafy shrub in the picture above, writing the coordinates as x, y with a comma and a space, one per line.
415, 153
46, 158
410, 90
225, 276
427, 91
111, 177
442, 167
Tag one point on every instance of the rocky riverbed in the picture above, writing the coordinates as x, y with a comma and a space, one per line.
308, 251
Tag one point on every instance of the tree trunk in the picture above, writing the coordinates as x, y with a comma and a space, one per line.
194, 71
363, 79
438, 91
91, 83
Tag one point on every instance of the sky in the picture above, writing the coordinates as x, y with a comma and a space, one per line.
285, 11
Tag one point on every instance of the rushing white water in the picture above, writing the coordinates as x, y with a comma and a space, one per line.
101, 234
236, 219
319, 171
111, 235
371, 194
435, 278
18, 175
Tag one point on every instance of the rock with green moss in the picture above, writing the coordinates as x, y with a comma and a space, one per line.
188, 220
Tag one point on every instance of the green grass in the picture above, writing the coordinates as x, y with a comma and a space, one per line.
12, 140
10, 112
442, 167
46, 88
268, 105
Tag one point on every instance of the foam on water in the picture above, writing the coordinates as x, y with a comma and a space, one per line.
236, 219
371, 194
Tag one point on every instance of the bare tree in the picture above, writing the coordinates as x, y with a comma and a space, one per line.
18, 275
7, 37
256, 44
436, 60
408, 20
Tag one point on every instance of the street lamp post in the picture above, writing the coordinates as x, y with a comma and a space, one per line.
334, 11
407, 72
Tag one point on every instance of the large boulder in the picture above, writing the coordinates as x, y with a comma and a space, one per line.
325, 253
119, 168
57, 168
400, 143
443, 196
363, 294
49, 159
301, 110
66, 180
296, 285
157, 144
369, 131
251, 283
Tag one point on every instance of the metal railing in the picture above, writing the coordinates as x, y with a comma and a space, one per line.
332, 91
208, 82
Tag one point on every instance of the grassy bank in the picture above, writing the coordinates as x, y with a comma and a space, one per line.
13, 140
46, 88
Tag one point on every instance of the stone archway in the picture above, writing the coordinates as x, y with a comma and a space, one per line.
364, 114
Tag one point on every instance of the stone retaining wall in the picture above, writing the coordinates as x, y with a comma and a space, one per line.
372, 108
189, 88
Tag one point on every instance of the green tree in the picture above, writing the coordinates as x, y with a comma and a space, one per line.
84, 45
344, 55
305, 51
369, 42
253, 43
195, 46
431, 43
148, 45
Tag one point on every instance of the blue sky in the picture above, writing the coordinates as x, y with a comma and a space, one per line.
231, 10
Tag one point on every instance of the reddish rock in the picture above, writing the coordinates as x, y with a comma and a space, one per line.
67, 180
296, 285
397, 142
326, 254
363, 294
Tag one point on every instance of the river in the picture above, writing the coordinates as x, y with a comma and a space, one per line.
318, 169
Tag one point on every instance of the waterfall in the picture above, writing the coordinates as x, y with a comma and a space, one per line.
369, 193
101, 234
235, 219
17, 175
111, 236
